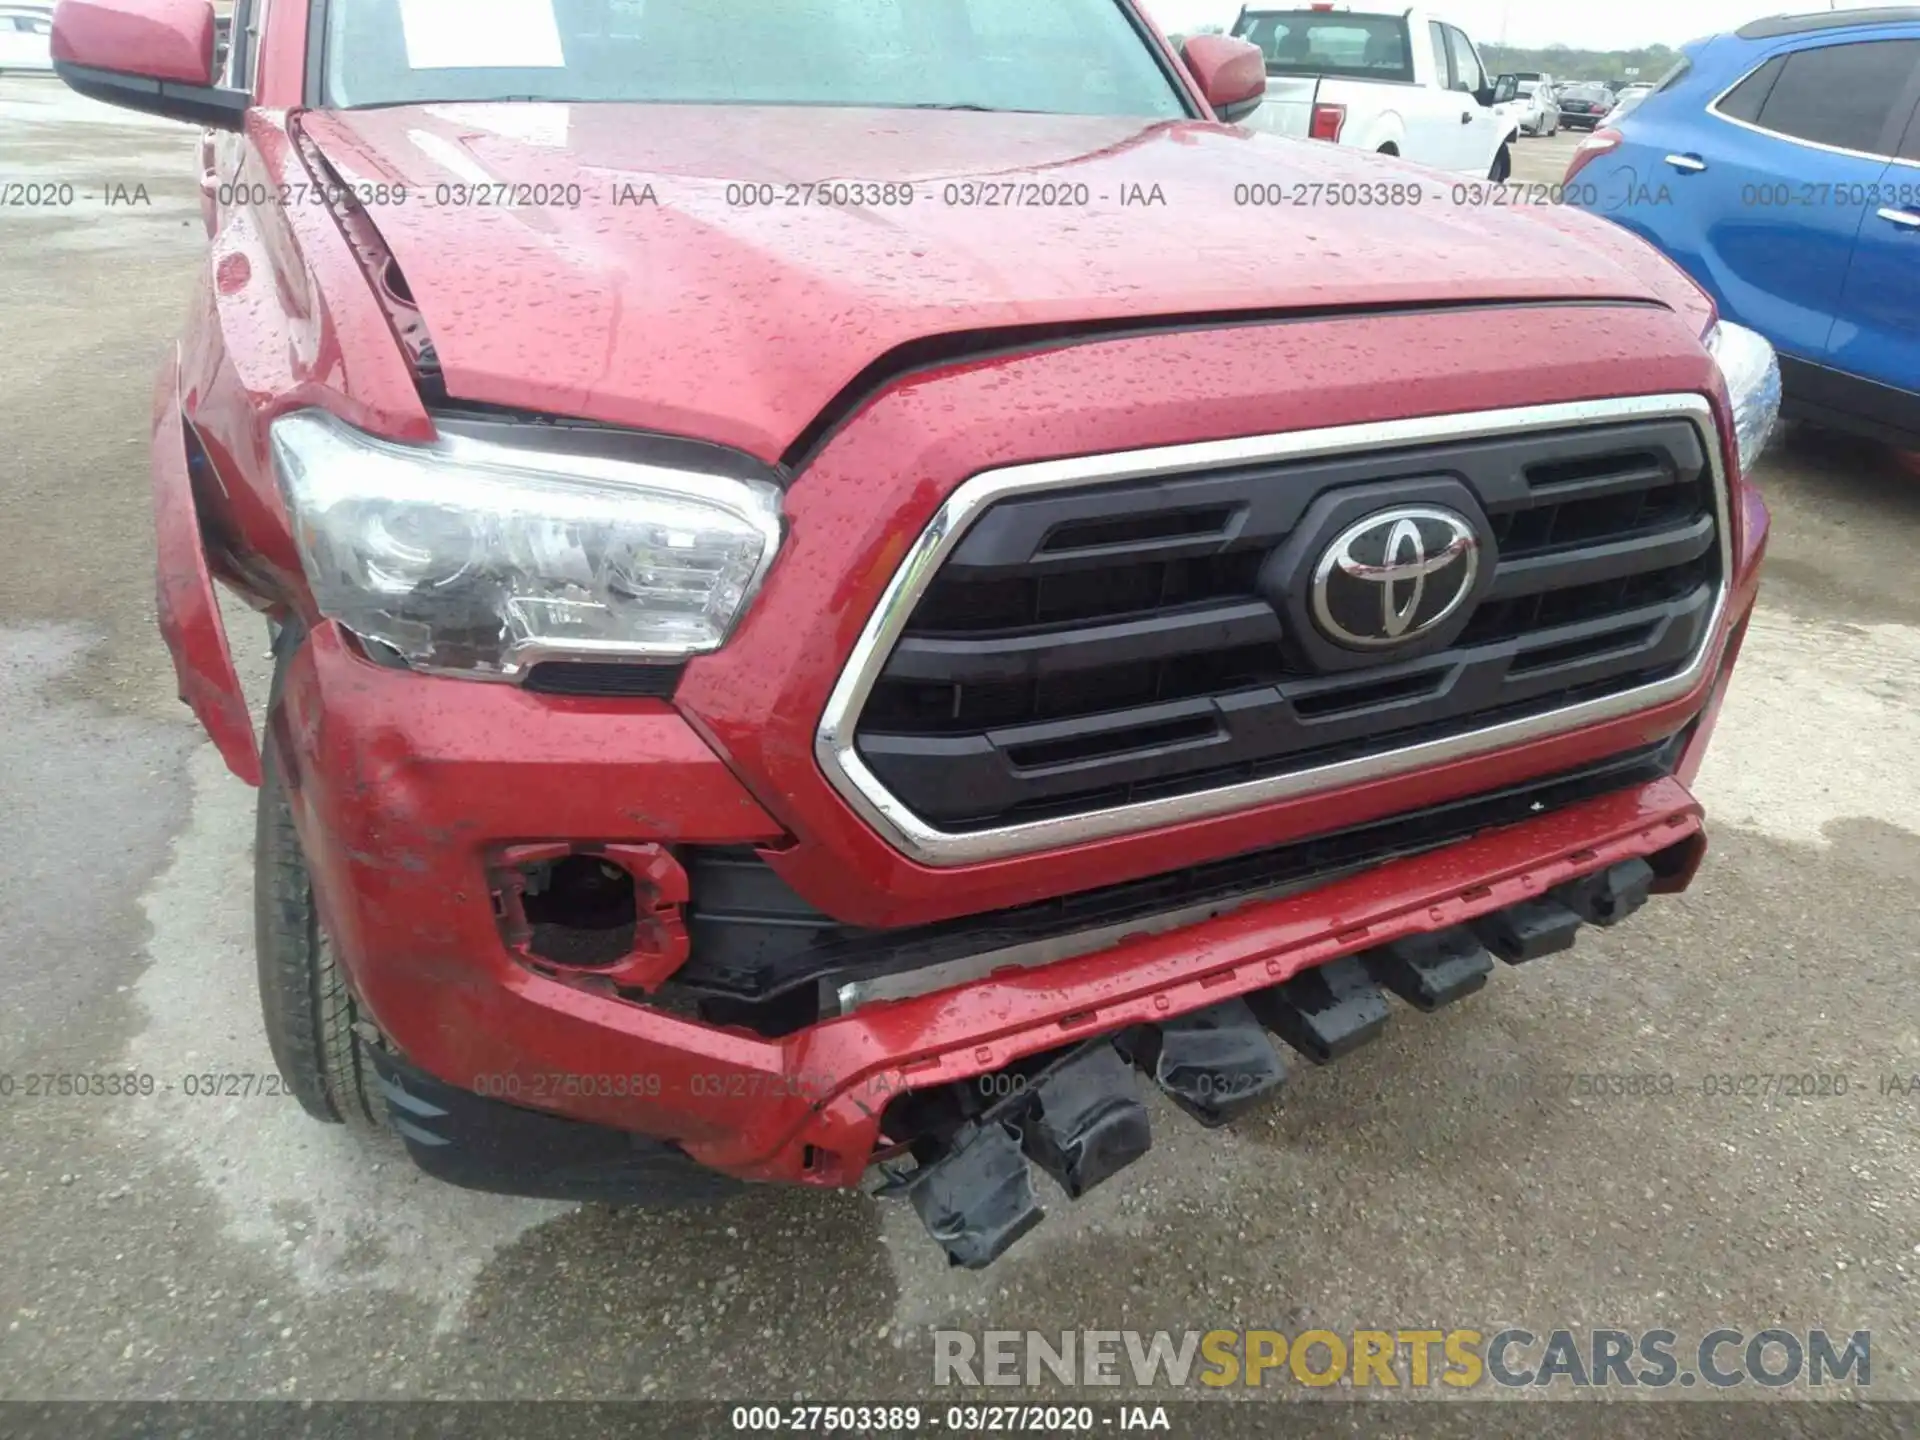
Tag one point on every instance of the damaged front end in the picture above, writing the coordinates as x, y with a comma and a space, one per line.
1078, 1115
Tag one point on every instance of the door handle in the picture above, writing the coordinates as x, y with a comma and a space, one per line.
210, 200
1692, 164
209, 180
1905, 219
1466, 117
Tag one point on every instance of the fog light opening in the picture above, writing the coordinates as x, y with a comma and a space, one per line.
581, 912
611, 914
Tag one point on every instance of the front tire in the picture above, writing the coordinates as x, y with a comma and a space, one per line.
1502, 164
311, 1020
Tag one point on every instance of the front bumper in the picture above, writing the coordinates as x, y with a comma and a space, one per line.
395, 827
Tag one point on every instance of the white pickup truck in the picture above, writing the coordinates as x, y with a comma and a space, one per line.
1403, 82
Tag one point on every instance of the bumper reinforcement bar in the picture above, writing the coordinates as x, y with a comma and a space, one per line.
1082, 1121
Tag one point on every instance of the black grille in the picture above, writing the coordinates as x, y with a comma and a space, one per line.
761, 954
1086, 649
599, 678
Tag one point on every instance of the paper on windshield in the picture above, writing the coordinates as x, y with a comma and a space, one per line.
476, 34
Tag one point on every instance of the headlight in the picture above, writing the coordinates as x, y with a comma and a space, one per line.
480, 558
1752, 373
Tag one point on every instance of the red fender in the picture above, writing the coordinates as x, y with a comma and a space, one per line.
189, 614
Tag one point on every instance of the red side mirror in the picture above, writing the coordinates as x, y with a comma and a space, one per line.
151, 55
154, 39
1231, 73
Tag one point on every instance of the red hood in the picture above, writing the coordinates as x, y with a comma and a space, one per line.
739, 323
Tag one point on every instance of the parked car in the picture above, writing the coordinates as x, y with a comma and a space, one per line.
26, 31
1624, 102
1534, 107
1780, 166
1403, 83
1582, 106
809, 636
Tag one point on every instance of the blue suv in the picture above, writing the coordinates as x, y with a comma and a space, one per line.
1780, 167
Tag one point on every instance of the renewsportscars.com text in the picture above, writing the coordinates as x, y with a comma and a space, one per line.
1460, 1358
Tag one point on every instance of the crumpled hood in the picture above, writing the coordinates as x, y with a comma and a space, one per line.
662, 295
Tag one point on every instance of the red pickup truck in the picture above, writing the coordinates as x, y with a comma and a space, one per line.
858, 586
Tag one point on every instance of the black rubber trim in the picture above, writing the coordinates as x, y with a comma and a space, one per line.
932, 352
1776, 26
590, 678
755, 940
209, 105
561, 436
481, 1144
1186, 89
1850, 402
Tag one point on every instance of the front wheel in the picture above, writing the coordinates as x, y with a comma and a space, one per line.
313, 1025
1502, 165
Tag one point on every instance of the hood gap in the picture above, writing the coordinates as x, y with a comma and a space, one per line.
380, 267
934, 352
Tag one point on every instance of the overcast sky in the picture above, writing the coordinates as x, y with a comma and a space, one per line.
1585, 24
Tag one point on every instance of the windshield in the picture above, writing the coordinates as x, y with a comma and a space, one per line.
1069, 57
1317, 42
1588, 92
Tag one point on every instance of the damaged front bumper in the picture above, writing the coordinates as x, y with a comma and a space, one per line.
398, 828
1081, 1120
1075, 1114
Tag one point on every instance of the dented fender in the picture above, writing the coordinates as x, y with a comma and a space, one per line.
188, 611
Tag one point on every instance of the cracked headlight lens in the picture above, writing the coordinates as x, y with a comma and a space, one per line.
1752, 372
477, 558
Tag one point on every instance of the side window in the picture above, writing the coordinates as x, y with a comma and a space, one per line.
1744, 101
1442, 67
241, 33
1842, 95
1467, 74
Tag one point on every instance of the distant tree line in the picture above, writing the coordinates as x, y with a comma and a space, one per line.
1565, 63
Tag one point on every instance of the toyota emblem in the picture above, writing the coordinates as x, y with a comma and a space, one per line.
1394, 576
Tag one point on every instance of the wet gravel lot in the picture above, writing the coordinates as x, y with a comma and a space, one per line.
227, 1248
